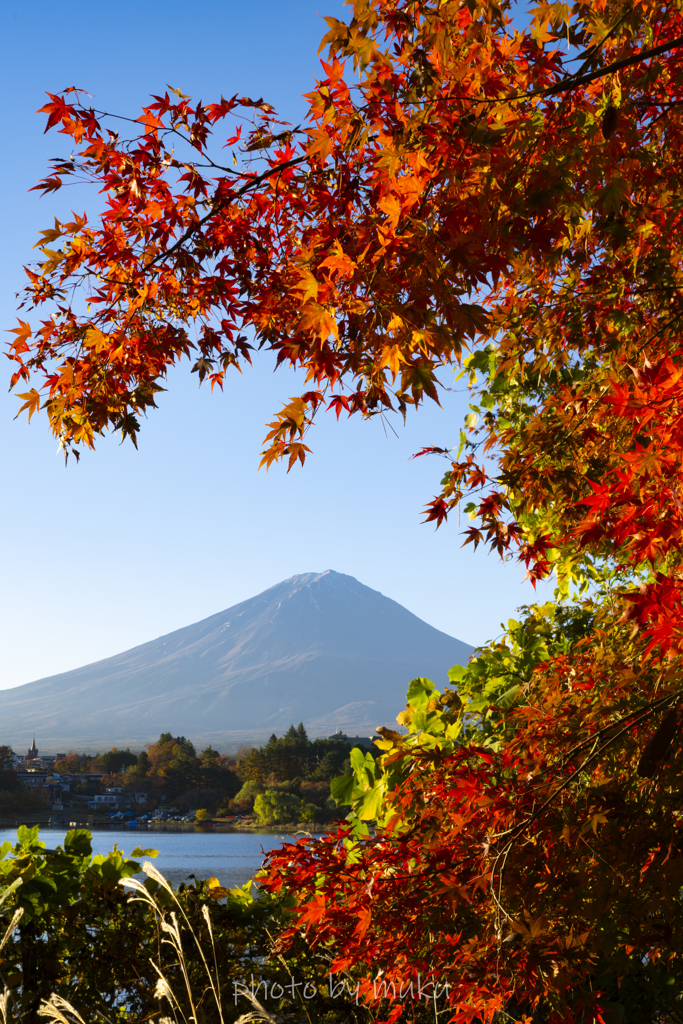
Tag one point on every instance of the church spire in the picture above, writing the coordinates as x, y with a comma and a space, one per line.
33, 749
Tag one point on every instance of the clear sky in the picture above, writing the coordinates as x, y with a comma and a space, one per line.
126, 546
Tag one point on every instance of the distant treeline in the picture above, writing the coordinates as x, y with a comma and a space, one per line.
114, 760
171, 771
288, 780
294, 756
291, 774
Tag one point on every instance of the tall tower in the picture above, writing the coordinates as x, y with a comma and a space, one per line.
33, 749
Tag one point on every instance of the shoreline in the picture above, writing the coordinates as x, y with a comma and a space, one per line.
213, 825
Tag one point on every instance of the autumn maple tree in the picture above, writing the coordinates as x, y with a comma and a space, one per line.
503, 196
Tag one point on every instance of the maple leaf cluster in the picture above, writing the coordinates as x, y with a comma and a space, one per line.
526, 840
464, 192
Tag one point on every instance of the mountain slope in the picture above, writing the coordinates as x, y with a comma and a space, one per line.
320, 648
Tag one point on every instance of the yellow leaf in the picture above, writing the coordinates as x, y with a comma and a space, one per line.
216, 890
392, 207
94, 338
320, 144
49, 235
338, 34
23, 332
593, 822
319, 321
307, 286
31, 402
392, 357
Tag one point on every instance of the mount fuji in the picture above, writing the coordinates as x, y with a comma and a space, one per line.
320, 648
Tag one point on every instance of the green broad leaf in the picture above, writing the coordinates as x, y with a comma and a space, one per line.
508, 697
420, 692
242, 895
359, 831
480, 360
471, 419
125, 870
28, 836
5, 849
39, 886
78, 842
357, 758
457, 673
433, 724
342, 788
353, 854
369, 808
140, 852
493, 685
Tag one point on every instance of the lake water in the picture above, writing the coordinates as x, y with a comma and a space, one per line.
231, 857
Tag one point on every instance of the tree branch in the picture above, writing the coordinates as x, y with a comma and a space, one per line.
638, 58
257, 180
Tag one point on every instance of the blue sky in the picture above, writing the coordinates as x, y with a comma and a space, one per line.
126, 546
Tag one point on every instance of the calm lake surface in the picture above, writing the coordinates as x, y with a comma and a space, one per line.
231, 857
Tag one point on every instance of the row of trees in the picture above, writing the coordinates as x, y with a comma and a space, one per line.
288, 779
169, 769
112, 761
291, 775
293, 771
504, 196
172, 766
294, 756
